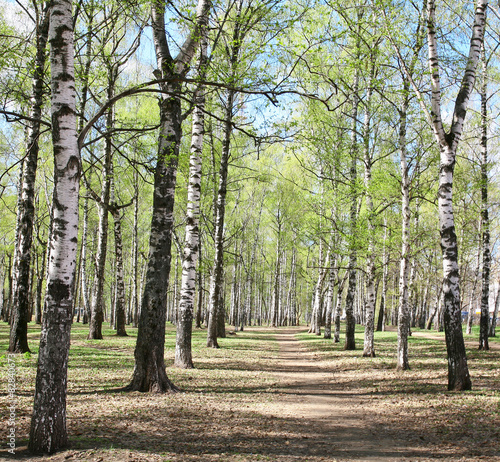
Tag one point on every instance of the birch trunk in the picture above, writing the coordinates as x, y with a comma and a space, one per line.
18, 342
40, 276
135, 256
495, 313
83, 257
149, 371
97, 303
338, 308
385, 274
485, 221
435, 311
87, 181
458, 371
318, 289
369, 346
120, 315
199, 310
350, 343
403, 310
277, 270
215, 306
48, 424
216, 282
183, 353
329, 299
470, 314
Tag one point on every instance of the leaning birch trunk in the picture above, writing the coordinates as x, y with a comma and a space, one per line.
149, 371
18, 342
458, 371
485, 221
48, 424
183, 353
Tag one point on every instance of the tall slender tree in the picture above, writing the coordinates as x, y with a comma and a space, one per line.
26, 208
183, 354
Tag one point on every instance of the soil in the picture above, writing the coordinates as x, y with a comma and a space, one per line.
312, 409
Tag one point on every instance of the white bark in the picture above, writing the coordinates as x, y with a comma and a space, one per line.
48, 424
369, 346
485, 221
183, 354
458, 372
403, 310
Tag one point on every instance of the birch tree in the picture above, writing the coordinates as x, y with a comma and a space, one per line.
48, 424
485, 220
183, 355
149, 371
458, 371
26, 208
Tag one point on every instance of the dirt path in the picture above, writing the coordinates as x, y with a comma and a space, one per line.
284, 403
341, 425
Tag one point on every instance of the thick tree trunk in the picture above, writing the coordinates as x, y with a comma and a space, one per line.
149, 372
48, 424
18, 342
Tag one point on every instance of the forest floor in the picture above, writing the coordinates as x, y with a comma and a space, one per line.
270, 395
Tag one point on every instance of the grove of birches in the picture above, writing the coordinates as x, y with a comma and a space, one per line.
222, 164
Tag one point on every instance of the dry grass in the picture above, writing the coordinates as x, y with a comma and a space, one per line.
230, 408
